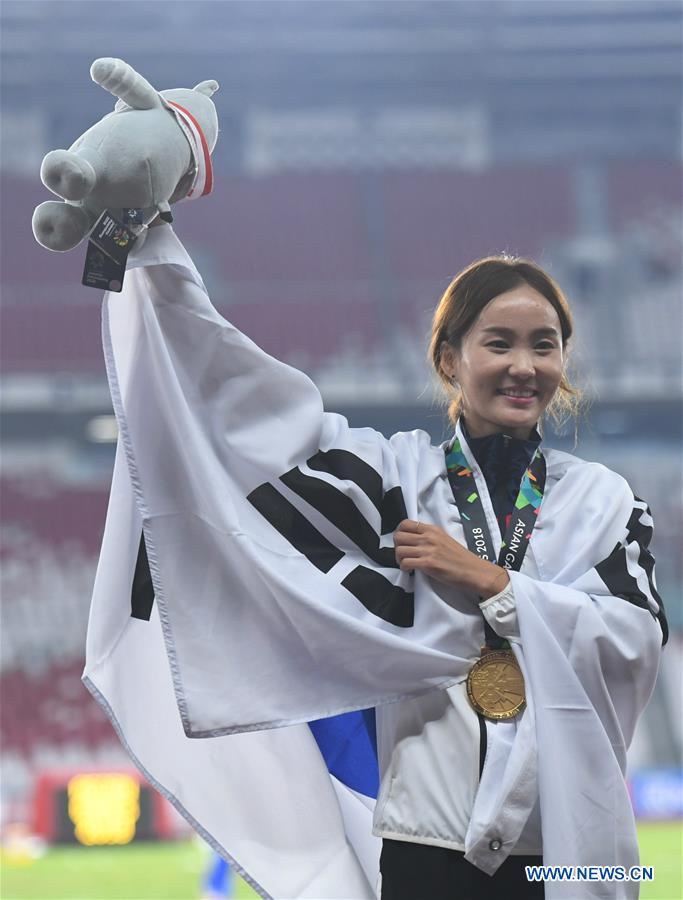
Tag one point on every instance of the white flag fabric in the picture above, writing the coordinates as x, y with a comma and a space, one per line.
275, 600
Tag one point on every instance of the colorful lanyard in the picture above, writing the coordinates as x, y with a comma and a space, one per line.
521, 521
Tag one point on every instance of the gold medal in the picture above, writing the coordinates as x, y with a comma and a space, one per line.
495, 685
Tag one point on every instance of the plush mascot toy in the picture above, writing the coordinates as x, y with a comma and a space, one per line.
152, 150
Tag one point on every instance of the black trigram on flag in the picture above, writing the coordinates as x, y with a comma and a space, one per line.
142, 592
614, 569
376, 592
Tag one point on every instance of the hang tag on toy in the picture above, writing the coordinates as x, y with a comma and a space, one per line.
105, 260
101, 271
113, 237
132, 217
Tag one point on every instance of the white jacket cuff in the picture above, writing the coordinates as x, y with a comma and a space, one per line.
500, 612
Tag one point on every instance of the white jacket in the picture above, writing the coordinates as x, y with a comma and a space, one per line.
430, 753
276, 601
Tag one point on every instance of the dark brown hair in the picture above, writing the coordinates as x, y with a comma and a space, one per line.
465, 298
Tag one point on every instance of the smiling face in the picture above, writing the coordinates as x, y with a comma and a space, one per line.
509, 364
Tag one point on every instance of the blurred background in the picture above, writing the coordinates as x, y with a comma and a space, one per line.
368, 151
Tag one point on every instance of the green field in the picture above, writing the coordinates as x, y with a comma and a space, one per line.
173, 871
136, 872
661, 846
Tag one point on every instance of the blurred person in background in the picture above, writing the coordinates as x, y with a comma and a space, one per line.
217, 878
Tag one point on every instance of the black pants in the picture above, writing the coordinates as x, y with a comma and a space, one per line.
421, 872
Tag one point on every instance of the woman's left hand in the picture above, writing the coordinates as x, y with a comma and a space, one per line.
428, 549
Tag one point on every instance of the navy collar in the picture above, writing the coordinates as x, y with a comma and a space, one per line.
500, 450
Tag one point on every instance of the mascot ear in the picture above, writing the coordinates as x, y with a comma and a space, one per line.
206, 87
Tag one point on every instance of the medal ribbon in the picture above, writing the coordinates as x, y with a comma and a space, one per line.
521, 521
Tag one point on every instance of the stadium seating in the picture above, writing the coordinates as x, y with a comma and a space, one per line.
50, 538
304, 262
320, 270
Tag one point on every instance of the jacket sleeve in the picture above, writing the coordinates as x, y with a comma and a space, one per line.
620, 584
615, 602
589, 649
